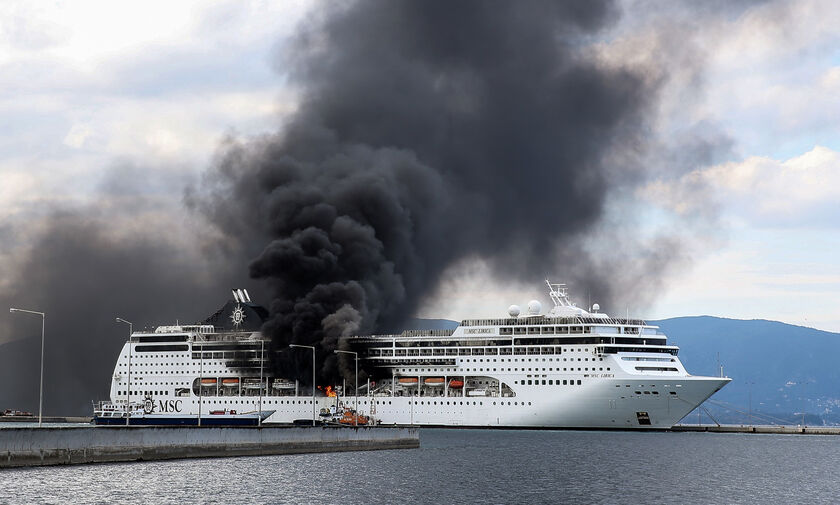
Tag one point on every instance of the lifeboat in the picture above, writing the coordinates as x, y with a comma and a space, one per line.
208, 382
283, 384
230, 383
456, 384
408, 381
217, 412
434, 381
351, 417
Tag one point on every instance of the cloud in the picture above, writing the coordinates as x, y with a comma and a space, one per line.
760, 191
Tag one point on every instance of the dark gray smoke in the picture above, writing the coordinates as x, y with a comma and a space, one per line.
430, 132
86, 266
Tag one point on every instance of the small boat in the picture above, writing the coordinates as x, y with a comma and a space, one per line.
434, 381
408, 381
208, 382
350, 417
230, 382
217, 412
456, 384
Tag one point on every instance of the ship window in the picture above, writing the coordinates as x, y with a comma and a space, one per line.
564, 382
529, 382
578, 382
550, 382
543, 382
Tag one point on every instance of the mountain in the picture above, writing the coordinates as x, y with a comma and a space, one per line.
784, 368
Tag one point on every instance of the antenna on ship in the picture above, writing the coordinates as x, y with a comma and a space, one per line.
558, 294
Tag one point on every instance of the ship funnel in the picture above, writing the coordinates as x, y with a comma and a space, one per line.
240, 295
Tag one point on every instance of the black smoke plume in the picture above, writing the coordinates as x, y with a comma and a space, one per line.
87, 265
427, 133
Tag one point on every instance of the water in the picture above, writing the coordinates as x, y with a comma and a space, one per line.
473, 466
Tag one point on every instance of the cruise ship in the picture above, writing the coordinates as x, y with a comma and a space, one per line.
566, 368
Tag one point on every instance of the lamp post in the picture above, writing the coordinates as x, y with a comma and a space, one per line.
262, 360
313, 376
128, 387
41, 392
805, 400
356, 387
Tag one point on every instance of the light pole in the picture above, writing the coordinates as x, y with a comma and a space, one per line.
805, 400
41, 392
356, 387
262, 359
128, 387
313, 376
750, 384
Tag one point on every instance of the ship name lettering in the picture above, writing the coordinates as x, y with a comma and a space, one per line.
478, 330
169, 405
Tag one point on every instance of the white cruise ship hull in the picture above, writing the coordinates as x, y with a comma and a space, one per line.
566, 369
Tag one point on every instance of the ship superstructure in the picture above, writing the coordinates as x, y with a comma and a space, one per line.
568, 368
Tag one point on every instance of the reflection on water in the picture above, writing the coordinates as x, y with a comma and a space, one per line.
473, 466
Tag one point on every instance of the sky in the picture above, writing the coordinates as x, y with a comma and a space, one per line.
94, 93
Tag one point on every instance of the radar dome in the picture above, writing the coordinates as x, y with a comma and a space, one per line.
596, 307
534, 307
514, 310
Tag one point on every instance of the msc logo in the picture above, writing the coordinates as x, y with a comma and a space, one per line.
169, 405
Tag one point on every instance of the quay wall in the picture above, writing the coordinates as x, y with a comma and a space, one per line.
779, 430
27, 446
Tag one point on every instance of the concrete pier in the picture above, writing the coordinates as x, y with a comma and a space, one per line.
769, 429
28, 446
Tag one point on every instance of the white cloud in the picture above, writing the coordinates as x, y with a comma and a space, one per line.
760, 191
91, 84
77, 135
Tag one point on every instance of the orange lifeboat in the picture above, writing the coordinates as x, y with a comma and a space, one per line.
208, 382
434, 381
408, 381
350, 417
456, 384
230, 382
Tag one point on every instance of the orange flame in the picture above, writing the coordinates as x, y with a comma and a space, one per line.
329, 391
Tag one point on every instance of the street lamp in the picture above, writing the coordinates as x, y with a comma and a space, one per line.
750, 384
128, 387
41, 392
805, 400
262, 361
356, 388
313, 376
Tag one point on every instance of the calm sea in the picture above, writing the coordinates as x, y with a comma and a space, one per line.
473, 466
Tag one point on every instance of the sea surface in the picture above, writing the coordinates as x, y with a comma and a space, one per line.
473, 466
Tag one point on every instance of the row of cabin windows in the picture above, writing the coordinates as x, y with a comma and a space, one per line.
560, 330
551, 382
516, 360
550, 369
